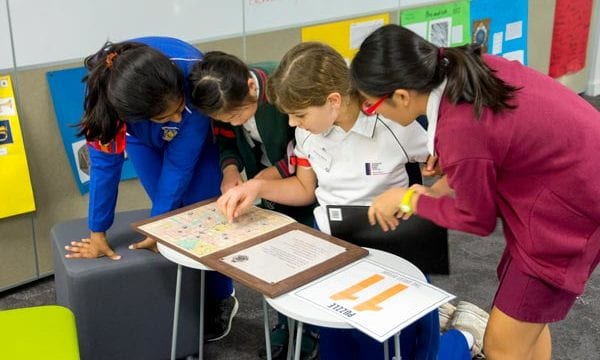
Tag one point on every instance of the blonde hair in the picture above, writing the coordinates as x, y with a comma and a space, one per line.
307, 74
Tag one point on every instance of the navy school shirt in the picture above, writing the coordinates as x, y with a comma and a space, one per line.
181, 153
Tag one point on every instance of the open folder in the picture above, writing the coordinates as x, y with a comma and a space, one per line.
417, 240
265, 250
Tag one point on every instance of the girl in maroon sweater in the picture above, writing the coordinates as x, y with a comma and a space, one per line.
511, 143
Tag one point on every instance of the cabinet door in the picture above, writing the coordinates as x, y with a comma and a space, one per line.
17, 254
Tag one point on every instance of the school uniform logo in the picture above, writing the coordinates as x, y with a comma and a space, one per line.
169, 132
376, 168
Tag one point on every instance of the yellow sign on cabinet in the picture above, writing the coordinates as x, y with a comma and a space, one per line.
16, 194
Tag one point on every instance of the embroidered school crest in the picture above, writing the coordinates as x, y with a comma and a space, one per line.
169, 132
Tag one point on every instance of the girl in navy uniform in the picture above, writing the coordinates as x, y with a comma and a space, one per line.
252, 136
137, 100
334, 142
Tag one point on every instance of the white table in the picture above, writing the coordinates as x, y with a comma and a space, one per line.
182, 260
303, 312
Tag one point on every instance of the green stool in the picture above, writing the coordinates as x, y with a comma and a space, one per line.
42, 332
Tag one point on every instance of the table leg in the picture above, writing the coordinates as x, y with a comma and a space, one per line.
298, 340
397, 346
291, 329
176, 313
267, 332
386, 350
201, 326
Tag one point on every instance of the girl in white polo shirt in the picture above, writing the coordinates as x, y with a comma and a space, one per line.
343, 157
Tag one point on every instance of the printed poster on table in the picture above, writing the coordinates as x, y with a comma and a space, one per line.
16, 192
375, 299
67, 92
444, 25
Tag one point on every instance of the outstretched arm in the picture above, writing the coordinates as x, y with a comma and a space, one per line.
296, 190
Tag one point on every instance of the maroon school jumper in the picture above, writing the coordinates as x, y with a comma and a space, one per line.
537, 167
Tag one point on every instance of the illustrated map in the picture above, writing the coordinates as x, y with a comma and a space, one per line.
204, 230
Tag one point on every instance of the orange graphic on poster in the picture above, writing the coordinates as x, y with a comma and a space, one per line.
373, 303
350, 293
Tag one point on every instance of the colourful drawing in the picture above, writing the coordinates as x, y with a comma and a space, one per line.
204, 230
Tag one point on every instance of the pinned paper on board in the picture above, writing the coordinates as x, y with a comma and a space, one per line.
572, 20
345, 36
67, 92
500, 30
444, 25
17, 197
481, 32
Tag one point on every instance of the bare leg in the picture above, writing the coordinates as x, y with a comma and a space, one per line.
511, 339
543, 348
90, 248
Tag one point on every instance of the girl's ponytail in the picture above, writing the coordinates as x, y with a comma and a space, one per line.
100, 120
471, 80
393, 57
127, 82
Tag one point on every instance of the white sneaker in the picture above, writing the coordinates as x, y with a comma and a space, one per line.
446, 311
469, 317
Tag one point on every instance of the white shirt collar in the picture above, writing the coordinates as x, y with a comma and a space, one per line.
365, 125
433, 109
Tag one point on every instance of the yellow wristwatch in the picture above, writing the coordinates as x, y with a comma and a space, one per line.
406, 203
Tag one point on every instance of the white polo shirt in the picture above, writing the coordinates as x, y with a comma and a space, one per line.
354, 167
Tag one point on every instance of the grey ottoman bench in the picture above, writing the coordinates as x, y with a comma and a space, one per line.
124, 308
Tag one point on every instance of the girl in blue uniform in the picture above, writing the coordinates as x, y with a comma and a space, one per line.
138, 100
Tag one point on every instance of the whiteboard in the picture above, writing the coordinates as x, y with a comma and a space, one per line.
58, 31
5, 48
263, 15
48, 31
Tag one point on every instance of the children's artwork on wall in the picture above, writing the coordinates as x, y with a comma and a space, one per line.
16, 193
345, 36
572, 20
444, 25
67, 92
500, 27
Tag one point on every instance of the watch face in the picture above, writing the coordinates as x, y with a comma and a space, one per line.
405, 208
480, 33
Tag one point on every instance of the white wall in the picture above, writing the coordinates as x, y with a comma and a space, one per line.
53, 31
63, 31
593, 87
6, 61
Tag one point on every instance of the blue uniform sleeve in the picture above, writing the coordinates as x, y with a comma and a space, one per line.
105, 174
180, 159
181, 154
